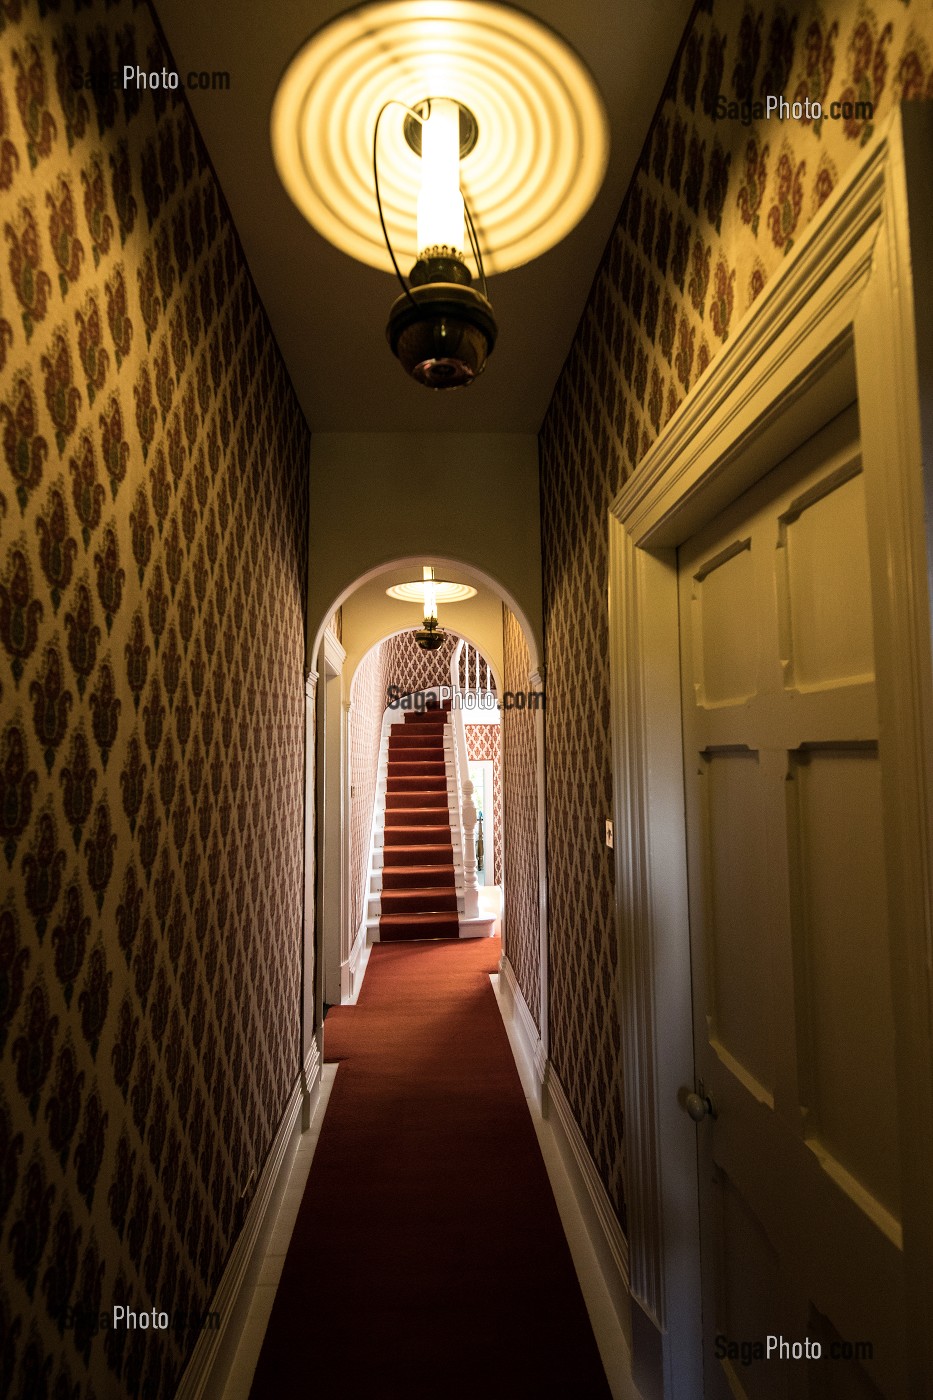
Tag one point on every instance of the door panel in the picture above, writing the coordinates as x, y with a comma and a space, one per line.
792, 1001
824, 540
736, 846
844, 1000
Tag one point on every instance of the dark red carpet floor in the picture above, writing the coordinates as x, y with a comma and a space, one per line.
428, 1258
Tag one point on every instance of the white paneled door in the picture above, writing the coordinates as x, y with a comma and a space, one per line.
793, 1024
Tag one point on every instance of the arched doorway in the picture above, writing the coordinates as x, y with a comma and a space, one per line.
495, 629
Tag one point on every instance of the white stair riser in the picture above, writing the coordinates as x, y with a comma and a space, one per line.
377, 882
379, 838
381, 811
375, 905
379, 858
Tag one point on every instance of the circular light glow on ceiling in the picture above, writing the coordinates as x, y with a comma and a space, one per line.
543, 133
444, 592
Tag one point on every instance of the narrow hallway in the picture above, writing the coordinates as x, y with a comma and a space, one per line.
453, 1227
673, 552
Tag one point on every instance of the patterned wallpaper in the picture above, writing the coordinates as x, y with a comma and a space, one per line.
414, 669
713, 209
367, 706
484, 745
521, 921
153, 511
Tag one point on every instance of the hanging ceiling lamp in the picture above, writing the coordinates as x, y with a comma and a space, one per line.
431, 635
444, 591
441, 328
390, 112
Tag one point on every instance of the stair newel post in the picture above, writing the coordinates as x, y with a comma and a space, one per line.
470, 887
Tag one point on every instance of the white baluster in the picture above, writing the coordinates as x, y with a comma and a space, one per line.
470, 887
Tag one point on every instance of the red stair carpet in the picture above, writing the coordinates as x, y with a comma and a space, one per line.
419, 896
428, 1257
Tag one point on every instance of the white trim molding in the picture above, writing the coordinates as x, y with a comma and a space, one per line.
605, 1227
210, 1362
333, 652
837, 324
536, 682
531, 1039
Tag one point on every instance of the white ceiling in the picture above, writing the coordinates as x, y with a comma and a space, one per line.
328, 312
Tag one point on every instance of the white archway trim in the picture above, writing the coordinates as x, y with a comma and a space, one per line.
470, 573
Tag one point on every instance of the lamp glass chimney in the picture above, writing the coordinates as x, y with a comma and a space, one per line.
430, 594
440, 203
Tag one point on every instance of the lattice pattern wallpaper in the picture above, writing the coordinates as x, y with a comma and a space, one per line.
153, 515
414, 669
521, 922
484, 745
367, 707
713, 209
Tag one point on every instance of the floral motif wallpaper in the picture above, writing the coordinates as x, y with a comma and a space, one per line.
521, 923
714, 207
153, 510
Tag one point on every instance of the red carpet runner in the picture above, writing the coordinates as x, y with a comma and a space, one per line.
419, 896
428, 1258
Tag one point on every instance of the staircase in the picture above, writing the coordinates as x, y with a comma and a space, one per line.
415, 891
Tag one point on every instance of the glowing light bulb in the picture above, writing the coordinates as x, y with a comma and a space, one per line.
430, 594
440, 203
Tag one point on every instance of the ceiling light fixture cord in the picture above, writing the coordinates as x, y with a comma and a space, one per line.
392, 102
471, 229
474, 244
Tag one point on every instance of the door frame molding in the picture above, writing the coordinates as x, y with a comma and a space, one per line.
333, 779
837, 323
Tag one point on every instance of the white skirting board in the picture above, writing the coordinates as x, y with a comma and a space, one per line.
210, 1362
531, 1040
601, 1221
353, 970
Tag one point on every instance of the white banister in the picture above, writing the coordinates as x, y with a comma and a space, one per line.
467, 808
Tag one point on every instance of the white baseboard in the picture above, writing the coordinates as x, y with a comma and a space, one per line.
209, 1364
351, 972
602, 1222
600, 1218
532, 1043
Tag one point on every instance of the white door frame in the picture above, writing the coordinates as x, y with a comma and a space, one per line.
837, 324
333, 818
